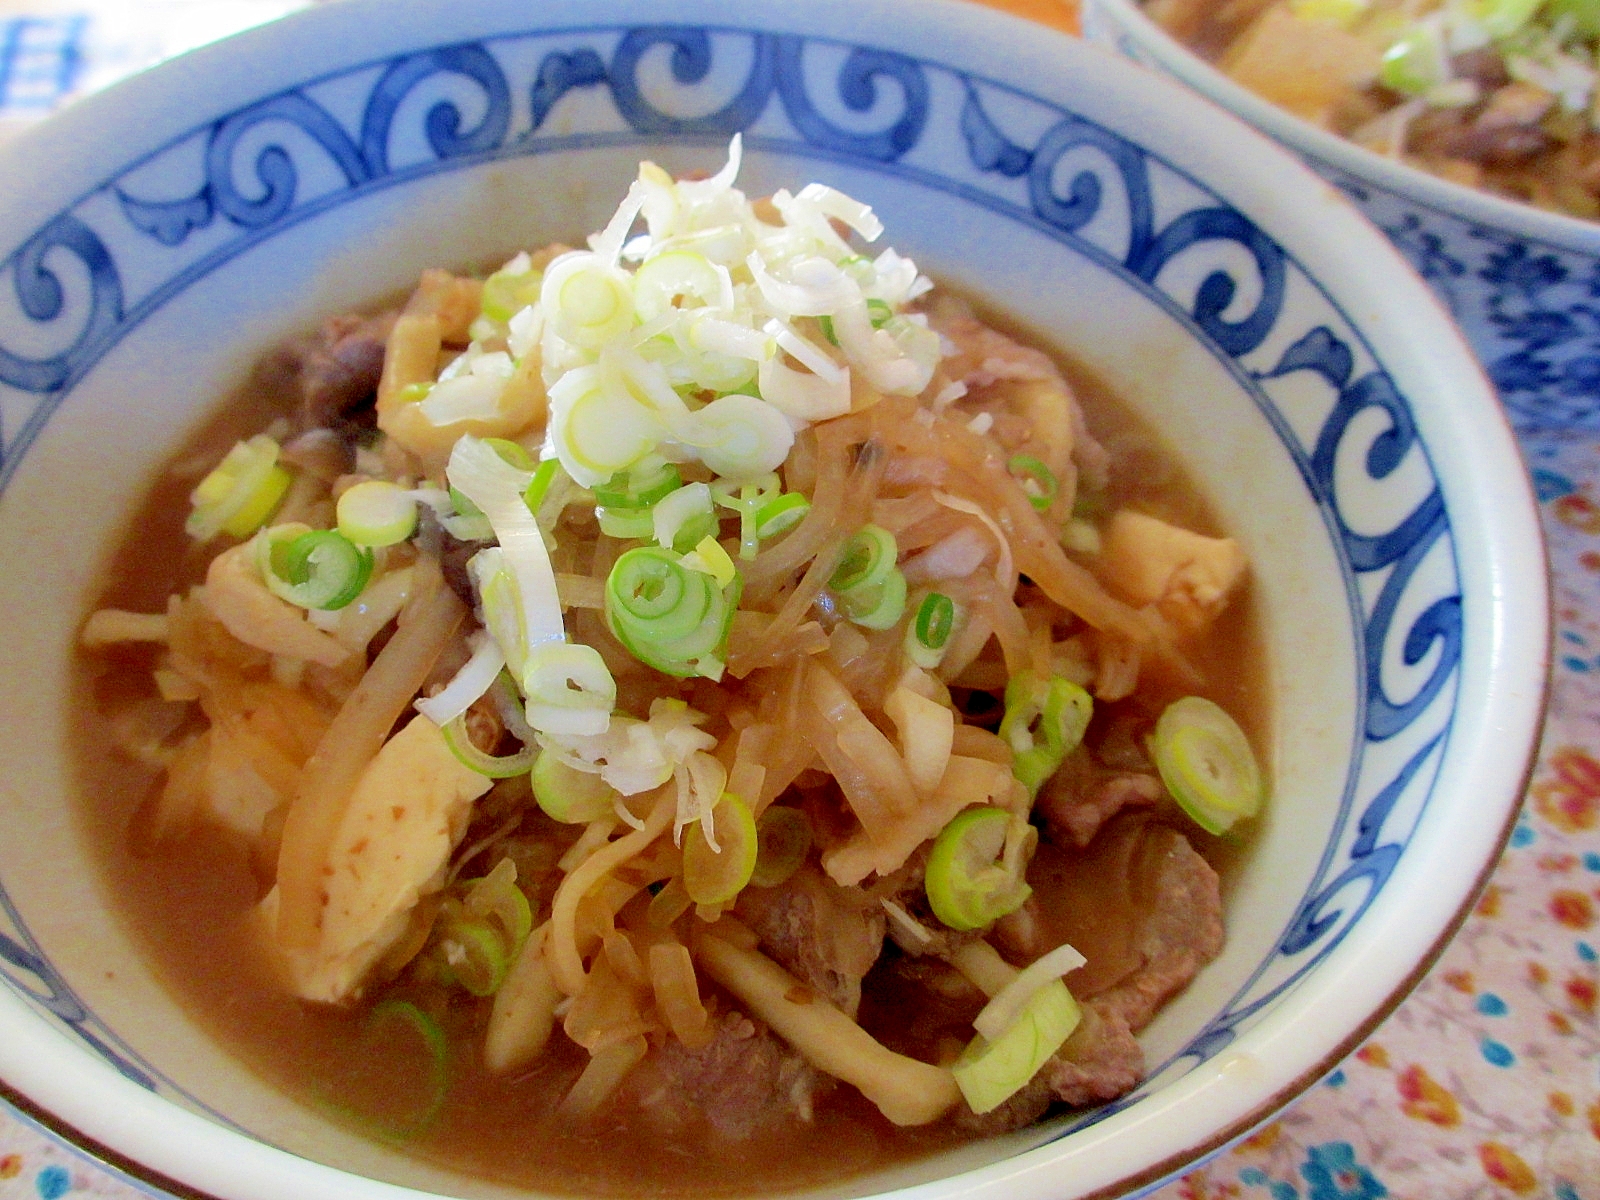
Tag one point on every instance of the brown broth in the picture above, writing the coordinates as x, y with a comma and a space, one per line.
500, 1128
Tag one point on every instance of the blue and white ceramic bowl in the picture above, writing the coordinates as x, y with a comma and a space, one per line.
158, 238
1519, 281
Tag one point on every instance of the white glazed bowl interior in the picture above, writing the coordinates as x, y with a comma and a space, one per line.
172, 230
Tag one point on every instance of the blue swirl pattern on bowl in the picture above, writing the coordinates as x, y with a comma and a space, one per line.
1531, 309
204, 199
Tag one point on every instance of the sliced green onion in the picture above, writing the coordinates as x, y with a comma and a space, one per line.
969, 881
376, 512
664, 280
599, 430
312, 568
569, 795
928, 634
709, 556
496, 900
783, 840
512, 453
878, 605
519, 569
680, 520
472, 524
1584, 15
781, 514
501, 600
878, 312
240, 493
474, 956
507, 292
715, 874
739, 436
626, 524
751, 497
539, 487
1502, 18
1206, 762
482, 672
468, 524
868, 558
414, 393
1414, 63
395, 1028
990, 1072
1043, 723
587, 301
640, 486
1343, 13
1038, 481
502, 766
667, 615
569, 689
1006, 1005
480, 929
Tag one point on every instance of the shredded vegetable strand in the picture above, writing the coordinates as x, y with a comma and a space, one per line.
427, 624
566, 964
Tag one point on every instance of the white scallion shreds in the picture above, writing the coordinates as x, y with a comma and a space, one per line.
716, 297
469, 684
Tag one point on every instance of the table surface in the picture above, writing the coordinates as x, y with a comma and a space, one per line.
1486, 1081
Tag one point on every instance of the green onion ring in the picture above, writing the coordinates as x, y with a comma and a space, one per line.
317, 568
1038, 481
868, 558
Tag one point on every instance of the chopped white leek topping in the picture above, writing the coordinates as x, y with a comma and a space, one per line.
478, 472
470, 682
568, 688
711, 305
989, 1072
634, 756
1006, 1006
676, 509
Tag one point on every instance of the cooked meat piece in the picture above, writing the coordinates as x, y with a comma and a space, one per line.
1180, 929
320, 453
1022, 1109
336, 371
1453, 133
827, 935
452, 553
1024, 382
743, 1079
1100, 1061
1081, 797
925, 933
1485, 67
1141, 905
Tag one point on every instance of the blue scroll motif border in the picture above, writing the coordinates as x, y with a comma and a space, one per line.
1025, 159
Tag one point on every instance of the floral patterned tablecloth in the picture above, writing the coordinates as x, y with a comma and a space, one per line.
1484, 1084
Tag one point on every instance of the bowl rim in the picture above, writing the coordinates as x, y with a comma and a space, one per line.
1260, 1111
1128, 19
